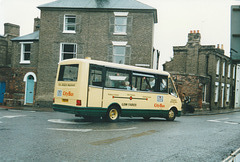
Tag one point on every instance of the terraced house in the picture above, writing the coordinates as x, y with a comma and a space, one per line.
204, 73
108, 30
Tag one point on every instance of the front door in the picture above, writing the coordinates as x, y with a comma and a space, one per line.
2, 91
29, 89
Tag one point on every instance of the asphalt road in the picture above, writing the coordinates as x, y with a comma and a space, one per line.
54, 136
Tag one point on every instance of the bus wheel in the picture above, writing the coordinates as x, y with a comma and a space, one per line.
171, 115
113, 113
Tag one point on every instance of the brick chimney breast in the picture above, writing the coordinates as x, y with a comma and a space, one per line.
37, 22
194, 38
11, 29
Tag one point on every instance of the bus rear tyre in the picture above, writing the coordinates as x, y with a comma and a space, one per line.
171, 115
113, 113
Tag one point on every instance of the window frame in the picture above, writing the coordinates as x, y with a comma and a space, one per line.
120, 15
234, 71
62, 53
218, 67
114, 55
22, 60
229, 71
223, 68
216, 91
204, 93
65, 24
228, 93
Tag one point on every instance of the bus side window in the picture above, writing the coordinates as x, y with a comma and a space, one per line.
172, 90
95, 77
163, 81
117, 79
144, 82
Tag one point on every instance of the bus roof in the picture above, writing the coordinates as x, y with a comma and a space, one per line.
114, 65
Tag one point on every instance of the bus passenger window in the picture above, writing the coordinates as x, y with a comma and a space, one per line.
116, 79
163, 85
95, 77
172, 90
144, 82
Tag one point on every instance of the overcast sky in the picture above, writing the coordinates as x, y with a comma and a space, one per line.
175, 20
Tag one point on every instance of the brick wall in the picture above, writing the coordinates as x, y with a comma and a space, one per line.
196, 66
3, 52
192, 86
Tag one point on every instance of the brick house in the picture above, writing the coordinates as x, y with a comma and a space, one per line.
10, 31
24, 64
204, 73
108, 30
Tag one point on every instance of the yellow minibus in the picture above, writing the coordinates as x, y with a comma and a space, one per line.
91, 88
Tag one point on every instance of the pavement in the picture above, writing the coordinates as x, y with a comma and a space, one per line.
27, 108
196, 113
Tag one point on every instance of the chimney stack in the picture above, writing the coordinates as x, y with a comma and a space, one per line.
194, 37
36, 24
11, 30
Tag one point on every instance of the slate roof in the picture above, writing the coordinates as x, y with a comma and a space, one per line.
29, 37
100, 5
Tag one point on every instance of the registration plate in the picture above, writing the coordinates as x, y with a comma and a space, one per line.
64, 100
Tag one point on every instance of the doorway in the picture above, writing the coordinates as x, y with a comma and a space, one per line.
2, 91
30, 79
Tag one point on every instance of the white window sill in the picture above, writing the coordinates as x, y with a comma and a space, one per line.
25, 62
119, 33
69, 32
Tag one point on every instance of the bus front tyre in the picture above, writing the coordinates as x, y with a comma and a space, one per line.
171, 115
113, 114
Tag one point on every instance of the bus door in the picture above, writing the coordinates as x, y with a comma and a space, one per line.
95, 88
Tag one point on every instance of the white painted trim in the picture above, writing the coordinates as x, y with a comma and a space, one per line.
69, 31
30, 73
120, 13
61, 45
118, 43
119, 33
64, 23
22, 61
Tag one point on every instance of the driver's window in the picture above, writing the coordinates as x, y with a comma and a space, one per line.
171, 88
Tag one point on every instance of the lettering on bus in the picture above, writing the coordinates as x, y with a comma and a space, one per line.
173, 101
129, 104
65, 84
67, 93
158, 105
